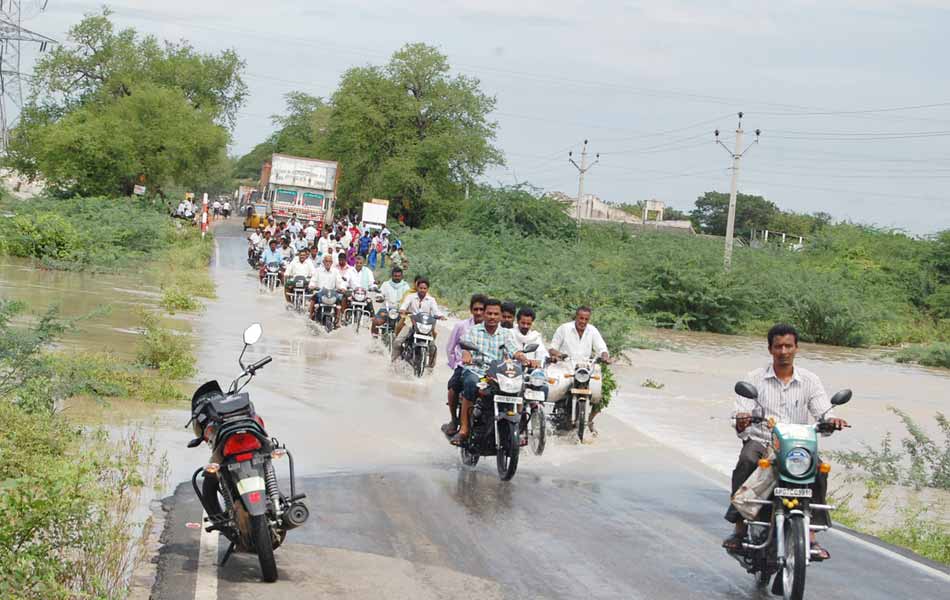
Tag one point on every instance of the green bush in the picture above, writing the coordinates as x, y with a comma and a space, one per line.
175, 299
936, 354
165, 350
518, 211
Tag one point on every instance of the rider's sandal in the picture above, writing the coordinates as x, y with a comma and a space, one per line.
819, 553
733, 543
450, 429
457, 439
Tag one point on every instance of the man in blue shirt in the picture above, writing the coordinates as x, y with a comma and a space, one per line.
272, 255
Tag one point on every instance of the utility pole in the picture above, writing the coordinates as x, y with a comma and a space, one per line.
582, 169
11, 77
736, 156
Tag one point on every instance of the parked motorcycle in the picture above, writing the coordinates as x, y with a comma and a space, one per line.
298, 294
495, 421
533, 419
419, 343
327, 308
358, 309
574, 409
256, 514
782, 543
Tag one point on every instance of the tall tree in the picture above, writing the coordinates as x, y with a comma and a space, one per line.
111, 108
411, 132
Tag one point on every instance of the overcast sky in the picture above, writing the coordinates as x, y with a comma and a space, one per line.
851, 96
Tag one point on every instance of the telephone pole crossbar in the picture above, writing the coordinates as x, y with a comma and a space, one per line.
737, 155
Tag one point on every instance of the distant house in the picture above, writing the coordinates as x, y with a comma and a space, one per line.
592, 208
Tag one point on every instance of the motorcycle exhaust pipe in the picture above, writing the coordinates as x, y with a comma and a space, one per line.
296, 515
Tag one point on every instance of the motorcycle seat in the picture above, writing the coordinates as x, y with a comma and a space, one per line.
224, 407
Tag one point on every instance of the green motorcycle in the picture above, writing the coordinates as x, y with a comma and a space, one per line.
778, 539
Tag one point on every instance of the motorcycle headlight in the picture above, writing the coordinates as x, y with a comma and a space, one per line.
509, 385
328, 299
424, 328
359, 296
538, 378
582, 375
797, 462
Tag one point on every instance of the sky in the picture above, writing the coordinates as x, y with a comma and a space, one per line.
851, 95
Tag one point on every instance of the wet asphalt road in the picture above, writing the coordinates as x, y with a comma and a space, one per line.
394, 516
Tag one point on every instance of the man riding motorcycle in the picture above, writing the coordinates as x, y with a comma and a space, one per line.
579, 339
493, 343
392, 292
477, 307
525, 336
508, 315
789, 394
302, 267
271, 256
418, 302
326, 278
359, 277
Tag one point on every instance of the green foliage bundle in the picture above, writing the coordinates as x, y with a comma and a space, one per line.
112, 109
518, 211
165, 350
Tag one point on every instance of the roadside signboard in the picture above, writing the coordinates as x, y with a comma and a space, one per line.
374, 213
139, 190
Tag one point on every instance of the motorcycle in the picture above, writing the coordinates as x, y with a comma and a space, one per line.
419, 343
782, 543
327, 308
533, 419
271, 275
495, 421
574, 409
358, 308
256, 514
298, 294
390, 316
254, 257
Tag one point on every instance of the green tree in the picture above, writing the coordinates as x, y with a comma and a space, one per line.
712, 209
410, 132
111, 108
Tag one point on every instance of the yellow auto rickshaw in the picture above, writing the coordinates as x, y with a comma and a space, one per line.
255, 217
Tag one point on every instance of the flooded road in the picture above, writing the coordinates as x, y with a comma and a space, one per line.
393, 515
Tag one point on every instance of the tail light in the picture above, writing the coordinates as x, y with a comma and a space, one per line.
241, 442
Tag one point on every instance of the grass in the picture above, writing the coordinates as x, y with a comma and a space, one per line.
164, 350
936, 354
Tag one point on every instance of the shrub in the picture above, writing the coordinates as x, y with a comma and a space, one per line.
165, 350
936, 354
174, 299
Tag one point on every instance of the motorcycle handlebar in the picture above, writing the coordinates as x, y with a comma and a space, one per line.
259, 364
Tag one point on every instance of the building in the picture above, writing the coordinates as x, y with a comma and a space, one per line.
595, 209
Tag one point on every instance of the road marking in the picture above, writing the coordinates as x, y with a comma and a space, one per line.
206, 581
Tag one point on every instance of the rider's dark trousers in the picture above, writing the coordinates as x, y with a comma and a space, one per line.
747, 464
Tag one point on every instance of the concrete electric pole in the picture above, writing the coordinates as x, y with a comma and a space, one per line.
736, 156
582, 169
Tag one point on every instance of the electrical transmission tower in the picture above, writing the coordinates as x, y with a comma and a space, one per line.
12, 36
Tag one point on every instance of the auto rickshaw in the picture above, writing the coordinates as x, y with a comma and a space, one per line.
256, 216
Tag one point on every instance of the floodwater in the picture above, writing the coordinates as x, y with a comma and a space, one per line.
111, 301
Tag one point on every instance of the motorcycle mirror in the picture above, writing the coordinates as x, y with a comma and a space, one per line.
747, 390
842, 397
530, 348
252, 334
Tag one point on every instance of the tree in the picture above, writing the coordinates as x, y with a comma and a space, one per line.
712, 208
110, 109
410, 132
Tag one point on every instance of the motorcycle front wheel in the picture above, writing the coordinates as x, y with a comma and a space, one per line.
264, 545
328, 323
507, 455
581, 419
418, 361
793, 573
536, 431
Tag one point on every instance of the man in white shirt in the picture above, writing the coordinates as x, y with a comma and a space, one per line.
392, 292
578, 339
294, 226
323, 244
310, 233
525, 336
422, 302
359, 276
255, 242
302, 267
227, 209
326, 278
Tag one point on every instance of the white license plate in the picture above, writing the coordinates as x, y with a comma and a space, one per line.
508, 399
793, 492
427, 338
534, 395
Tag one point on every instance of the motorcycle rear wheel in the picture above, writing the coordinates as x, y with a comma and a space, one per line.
264, 545
506, 456
536, 431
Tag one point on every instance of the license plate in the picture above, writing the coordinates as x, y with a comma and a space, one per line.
534, 395
792, 492
427, 338
581, 391
508, 399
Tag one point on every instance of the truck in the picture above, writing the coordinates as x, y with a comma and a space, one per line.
302, 186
